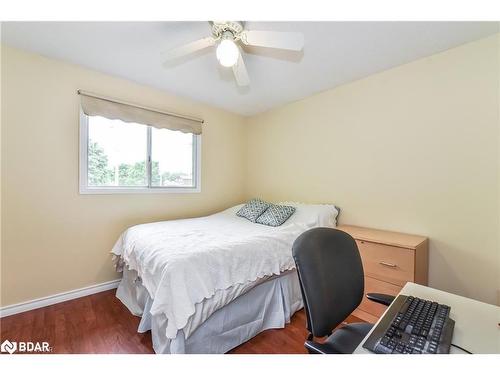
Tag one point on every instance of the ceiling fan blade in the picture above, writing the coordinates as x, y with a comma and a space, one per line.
186, 49
240, 72
273, 39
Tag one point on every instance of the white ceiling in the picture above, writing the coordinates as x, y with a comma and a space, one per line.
334, 53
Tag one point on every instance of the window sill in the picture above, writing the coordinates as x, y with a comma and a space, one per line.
128, 190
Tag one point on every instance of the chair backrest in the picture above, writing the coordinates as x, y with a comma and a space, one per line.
331, 277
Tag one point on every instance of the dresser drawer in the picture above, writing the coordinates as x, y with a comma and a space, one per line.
376, 286
387, 263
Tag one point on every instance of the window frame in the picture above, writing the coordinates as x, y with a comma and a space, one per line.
84, 188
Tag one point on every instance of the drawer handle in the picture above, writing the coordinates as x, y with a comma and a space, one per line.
392, 265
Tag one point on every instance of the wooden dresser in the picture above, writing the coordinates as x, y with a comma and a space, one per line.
390, 259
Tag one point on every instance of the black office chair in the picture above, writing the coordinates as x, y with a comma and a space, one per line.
332, 284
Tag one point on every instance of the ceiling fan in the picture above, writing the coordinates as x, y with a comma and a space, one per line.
228, 36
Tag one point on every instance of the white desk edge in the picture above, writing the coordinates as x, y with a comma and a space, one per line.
476, 323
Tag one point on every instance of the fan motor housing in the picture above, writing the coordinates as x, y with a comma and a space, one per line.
220, 27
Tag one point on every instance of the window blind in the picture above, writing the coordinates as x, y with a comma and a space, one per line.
93, 105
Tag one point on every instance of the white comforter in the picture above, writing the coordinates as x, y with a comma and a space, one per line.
183, 262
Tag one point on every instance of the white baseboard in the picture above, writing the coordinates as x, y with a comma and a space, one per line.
57, 298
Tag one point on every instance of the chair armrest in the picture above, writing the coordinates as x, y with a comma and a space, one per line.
383, 299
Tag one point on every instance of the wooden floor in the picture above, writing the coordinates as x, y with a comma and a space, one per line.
100, 323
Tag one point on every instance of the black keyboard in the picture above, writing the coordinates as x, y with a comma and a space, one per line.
413, 326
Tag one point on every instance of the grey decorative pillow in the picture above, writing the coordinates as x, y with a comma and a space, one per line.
253, 209
275, 215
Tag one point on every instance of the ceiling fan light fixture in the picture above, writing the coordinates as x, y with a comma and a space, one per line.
228, 37
227, 52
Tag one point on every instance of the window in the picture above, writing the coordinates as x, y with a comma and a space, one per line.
123, 157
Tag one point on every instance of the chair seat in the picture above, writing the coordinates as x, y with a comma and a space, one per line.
342, 341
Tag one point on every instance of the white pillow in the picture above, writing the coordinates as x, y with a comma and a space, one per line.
234, 209
314, 215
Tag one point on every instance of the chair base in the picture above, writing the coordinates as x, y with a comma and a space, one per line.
343, 340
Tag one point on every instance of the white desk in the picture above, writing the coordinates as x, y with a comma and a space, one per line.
476, 323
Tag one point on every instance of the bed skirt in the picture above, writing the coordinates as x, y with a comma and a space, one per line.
268, 305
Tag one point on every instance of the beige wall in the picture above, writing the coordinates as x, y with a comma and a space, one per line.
0, 169
498, 252
412, 149
415, 149
54, 239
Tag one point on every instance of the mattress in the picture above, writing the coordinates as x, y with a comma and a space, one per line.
182, 263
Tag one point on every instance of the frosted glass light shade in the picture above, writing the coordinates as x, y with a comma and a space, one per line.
227, 53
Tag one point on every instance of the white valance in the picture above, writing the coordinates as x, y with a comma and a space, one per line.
93, 105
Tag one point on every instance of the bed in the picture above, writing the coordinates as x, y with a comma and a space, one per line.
208, 284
